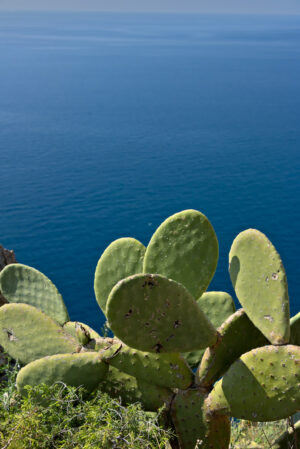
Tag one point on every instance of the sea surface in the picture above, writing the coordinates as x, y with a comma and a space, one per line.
110, 123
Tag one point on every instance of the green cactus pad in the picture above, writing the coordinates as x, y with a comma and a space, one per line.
295, 330
152, 313
237, 336
167, 370
27, 334
102, 344
122, 258
263, 385
289, 438
129, 389
259, 280
72, 328
22, 284
217, 306
184, 248
192, 425
76, 370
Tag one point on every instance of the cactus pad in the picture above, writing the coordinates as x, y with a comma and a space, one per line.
129, 389
156, 314
74, 327
263, 385
76, 370
259, 280
217, 306
184, 248
27, 334
237, 336
192, 425
22, 284
121, 259
167, 370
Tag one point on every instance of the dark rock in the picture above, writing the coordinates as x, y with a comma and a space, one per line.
7, 256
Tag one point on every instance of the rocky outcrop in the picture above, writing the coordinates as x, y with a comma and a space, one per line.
7, 256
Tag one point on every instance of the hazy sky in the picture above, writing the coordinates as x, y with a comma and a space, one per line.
205, 6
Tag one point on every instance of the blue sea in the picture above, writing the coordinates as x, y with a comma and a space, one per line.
109, 123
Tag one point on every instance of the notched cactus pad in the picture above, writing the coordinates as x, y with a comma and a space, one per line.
122, 258
22, 284
184, 248
263, 385
237, 336
27, 334
154, 314
259, 280
84, 369
168, 370
82, 332
217, 306
120, 385
192, 424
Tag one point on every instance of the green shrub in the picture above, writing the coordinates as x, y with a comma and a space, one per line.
68, 421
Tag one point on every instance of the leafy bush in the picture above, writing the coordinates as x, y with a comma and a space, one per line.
68, 421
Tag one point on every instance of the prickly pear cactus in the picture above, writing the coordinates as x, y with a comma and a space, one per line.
28, 334
262, 385
155, 314
193, 425
260, 283
184, 248
149, 296
122, 258
86, 369
217, 306
167, 370
237, 335
22, 284
131, 390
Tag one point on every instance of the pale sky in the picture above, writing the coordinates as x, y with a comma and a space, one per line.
199, 6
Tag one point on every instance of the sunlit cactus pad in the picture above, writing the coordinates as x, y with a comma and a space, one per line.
27, 334
263, 385
184, 248
217, 306
168, 370
237, 336
121, 259
22, 284
156, 314
130, 389
76, 328
192, 425
84, 369
259, 280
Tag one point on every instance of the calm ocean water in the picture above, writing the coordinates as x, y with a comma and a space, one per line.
110, 123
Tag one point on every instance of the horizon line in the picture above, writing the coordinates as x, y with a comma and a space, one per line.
231, 13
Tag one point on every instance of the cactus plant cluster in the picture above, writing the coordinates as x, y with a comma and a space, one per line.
165, 322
